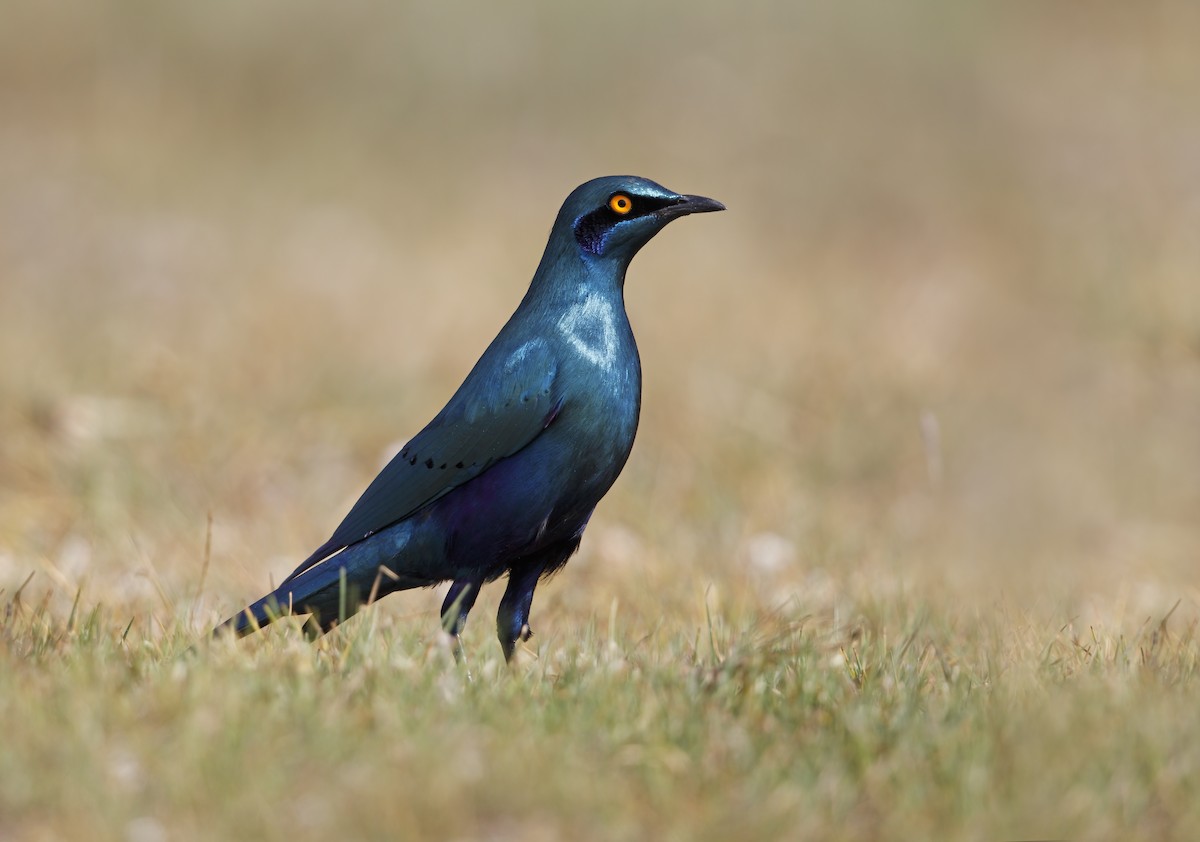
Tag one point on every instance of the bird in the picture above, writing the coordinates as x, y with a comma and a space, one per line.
504, 479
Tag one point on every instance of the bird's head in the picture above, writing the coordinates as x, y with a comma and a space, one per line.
610, 218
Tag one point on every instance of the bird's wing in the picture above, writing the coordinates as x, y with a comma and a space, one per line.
498, 410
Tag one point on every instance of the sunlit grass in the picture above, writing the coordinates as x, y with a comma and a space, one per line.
909, 720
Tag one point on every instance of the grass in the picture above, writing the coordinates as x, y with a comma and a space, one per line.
909, 722
907, 547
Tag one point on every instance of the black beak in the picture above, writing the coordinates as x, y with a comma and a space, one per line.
685, 205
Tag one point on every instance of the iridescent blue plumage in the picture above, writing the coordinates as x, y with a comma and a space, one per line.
504, 479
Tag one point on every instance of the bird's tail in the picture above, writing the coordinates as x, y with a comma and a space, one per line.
331, 593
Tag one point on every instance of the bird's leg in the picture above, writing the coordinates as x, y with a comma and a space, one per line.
455, 608
458, 604
512, 620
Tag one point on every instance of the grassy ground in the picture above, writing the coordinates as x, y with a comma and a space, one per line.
908, 546
909, 724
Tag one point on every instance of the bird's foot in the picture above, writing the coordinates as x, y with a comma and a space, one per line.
510, 647
460, 655
456, 647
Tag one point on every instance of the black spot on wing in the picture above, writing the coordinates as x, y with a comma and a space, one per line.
473, 432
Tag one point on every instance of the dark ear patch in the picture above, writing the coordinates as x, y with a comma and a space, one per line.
591, 228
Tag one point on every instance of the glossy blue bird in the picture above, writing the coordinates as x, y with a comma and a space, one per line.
504, 479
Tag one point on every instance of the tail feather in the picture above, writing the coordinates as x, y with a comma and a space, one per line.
331, 592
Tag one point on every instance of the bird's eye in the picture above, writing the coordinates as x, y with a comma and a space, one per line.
621, 204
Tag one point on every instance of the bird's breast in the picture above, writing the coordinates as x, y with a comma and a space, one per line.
603, 390
591, 329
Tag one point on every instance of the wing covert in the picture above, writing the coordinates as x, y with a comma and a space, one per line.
497, 411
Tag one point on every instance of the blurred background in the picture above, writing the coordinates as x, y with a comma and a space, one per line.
946, 341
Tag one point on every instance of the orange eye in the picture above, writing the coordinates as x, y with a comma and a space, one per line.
621, 204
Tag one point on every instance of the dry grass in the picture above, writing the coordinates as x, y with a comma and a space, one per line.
914, 495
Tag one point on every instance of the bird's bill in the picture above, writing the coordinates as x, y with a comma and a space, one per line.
685, 205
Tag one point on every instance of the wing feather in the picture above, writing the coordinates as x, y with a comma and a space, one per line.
498, 411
